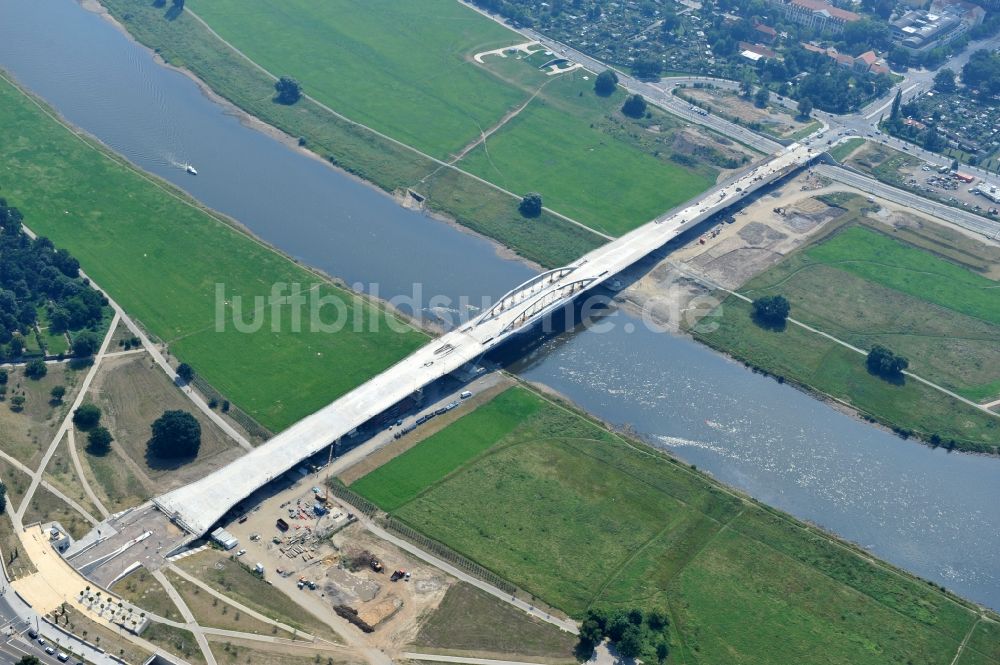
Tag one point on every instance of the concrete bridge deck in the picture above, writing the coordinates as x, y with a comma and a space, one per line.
197, 506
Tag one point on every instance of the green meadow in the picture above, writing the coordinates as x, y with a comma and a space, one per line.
580, 517
160, 256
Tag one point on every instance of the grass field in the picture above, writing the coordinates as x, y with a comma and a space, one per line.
421, 86
845, 148
588, 160
880, 259
164, 273
210, 611
47, 507
242, 652
175, 640
234, 581
62, 474
579, 517
393, 485
472, 620
399, 68
25, 434
132, 392
184, 42
142, 590
866, 288
815, 361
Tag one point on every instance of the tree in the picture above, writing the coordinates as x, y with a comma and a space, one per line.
531, 205
606, 83
57, 394
772, 310
630, 645
3, 502
29, 660
179, 4
185, 372
85, 344
288, 89
36, 369
176, 434
87, 417
883, 362
746, 84
99, 441
662, 651
657, 619
933, 140
17, 403
762, 97
616, 626
647, 69
634, 106
897, 101
805, 107
944, 80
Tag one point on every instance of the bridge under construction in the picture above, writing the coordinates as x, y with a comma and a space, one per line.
199, 505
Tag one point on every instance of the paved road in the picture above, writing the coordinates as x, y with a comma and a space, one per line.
657, 93
987, 227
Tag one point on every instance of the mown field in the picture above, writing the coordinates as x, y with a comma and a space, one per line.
407, 70
878, 258
392, 485
809, 359
587, 159
582, 518
186, 42
160, 256
399, 67
866, 288
939, 310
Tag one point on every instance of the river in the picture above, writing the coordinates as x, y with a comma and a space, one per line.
928, 511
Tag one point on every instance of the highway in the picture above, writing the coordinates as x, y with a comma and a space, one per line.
197, 506
967, 220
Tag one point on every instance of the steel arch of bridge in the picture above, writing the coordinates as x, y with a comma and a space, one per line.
523, 292
547, 302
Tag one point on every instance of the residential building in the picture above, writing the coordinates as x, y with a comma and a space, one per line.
817, 14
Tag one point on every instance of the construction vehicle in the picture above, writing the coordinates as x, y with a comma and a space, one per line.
397, 575
376, 565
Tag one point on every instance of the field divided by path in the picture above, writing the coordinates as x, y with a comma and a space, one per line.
186, 42
407, 70
866, 287
160, 256
578, 517
398, 67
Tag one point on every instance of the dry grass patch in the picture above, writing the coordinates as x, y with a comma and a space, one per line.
132, 392
26, 433
45, 507
142, 590
62, 474
212, 612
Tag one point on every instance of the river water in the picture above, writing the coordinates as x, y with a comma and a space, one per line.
931, 512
